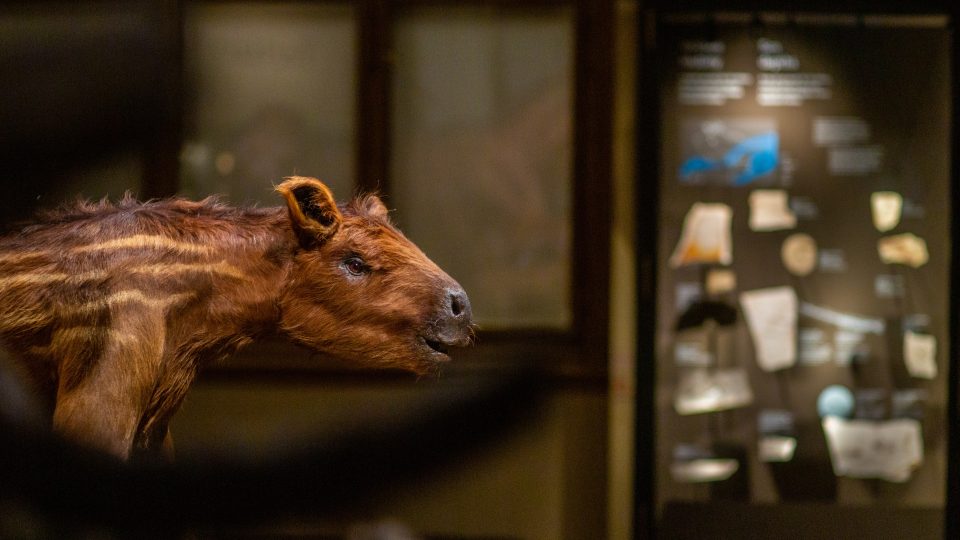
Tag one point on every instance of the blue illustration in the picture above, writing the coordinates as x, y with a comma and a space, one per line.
755, 157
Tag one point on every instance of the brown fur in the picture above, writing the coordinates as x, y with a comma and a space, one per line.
113, 308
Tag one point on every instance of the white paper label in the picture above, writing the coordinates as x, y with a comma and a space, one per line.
889, 450
772, 319
920, 354
769, 210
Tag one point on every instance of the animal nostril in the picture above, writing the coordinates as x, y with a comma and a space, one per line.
459, 303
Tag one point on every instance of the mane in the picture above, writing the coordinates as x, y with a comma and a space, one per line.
83, 209
212, 207
209, 218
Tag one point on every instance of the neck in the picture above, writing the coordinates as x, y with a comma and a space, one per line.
249, 267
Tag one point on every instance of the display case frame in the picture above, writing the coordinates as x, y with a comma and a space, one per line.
649, 137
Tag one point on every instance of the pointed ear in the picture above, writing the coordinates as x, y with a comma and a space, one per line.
374, 207
313, 212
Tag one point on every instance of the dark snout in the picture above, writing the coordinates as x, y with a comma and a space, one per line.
459, 309
454, 323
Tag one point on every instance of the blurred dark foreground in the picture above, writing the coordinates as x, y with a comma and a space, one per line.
49, 487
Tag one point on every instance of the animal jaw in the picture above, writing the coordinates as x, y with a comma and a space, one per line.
113, 308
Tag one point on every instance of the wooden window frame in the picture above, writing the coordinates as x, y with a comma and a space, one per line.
579, 352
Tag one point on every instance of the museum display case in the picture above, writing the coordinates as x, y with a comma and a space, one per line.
799, 283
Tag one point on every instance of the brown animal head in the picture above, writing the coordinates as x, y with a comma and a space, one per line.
361, 291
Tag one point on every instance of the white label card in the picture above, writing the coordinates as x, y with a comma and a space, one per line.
772, 319
889, 450
920, 354
770, 211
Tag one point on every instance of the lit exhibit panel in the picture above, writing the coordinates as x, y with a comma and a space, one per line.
803, 254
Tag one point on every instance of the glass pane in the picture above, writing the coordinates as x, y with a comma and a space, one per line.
270, 93
481, 170
111, 176
804, 262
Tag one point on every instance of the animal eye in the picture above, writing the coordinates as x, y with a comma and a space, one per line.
355, 266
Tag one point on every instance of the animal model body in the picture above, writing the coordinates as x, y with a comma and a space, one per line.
113, 308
